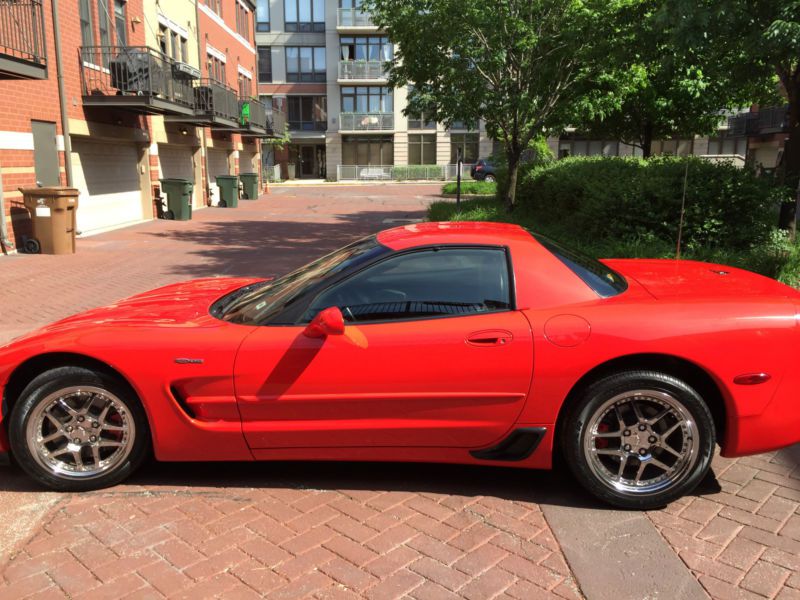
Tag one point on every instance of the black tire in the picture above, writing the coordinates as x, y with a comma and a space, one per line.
589, 456
169, 215
490, 178
223, 204
49, 385
32, 246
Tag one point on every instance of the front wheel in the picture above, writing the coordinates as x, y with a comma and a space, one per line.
73, 430
490, 179
639, 439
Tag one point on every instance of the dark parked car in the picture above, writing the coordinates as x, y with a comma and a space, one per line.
483, 170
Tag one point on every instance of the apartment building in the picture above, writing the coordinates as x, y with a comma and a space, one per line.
322, 65
151, 89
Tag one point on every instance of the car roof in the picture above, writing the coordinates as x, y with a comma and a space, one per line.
452, 232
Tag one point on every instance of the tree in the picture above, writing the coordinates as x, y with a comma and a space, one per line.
758, 40
525, 67
676, 89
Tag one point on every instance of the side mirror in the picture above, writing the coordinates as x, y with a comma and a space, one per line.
327, 322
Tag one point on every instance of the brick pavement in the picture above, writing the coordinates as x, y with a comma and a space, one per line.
334, 530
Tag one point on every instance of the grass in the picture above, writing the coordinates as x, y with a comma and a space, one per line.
779, 259
481, 188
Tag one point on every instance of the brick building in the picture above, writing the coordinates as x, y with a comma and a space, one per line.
142, 100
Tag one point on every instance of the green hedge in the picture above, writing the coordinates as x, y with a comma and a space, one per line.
417, 172
482, 188
628, 199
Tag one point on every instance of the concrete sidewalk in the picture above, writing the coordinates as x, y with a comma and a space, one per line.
355, 530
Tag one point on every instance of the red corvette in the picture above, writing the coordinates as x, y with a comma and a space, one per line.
443, 342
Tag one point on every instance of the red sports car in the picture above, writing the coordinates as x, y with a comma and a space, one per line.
472, 343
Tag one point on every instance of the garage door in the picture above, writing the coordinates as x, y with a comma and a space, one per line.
107, 176
217, 163
247, 162
176, 163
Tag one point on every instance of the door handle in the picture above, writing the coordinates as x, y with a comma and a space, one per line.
490, 338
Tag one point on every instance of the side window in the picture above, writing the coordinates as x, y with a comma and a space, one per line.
427, 283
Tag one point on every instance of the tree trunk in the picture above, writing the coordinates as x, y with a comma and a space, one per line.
647, 140
791, 159
513, 172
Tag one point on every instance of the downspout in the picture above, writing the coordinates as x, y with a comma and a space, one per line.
203, 143
62, 100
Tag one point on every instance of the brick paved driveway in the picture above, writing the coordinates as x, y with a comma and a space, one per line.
334, 530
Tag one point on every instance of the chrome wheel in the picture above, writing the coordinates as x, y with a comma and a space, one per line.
80, 432
641, 442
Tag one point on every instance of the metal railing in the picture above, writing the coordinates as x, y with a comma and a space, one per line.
362, 69
307, 125
354, 17
22, 30
743, 124
216, 99
252, 113
366, 121
773, 119
276, 122
132, 71
400, 172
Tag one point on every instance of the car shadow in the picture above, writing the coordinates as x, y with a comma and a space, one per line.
555, 487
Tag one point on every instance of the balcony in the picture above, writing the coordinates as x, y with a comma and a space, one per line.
252, 117
22, 41
276, 123
773, 120
362, 70
366, 121
765, 121
354, 18
215, 105
137, 78
315, 125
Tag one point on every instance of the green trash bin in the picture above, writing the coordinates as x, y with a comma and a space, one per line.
228, 190
179, 198
250, 185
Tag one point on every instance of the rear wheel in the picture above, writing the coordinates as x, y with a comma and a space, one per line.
73, 429
490, 178
639, 439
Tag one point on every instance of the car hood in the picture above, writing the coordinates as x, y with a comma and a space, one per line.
172, 305
673, 279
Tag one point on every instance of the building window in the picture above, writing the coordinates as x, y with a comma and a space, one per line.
245, 86
673, 147
85, 15
468, 144
120, 22
372, 48
422, 149
216, 69
368, 150
304, 15
103, 25
242, 21
367, 99
464, 126
305, 63
420, 121
215, 5
265, 64
262, 15
308, 113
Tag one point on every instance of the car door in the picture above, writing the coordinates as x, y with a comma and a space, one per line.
434, 354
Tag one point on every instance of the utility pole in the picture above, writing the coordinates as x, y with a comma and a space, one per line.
459, 161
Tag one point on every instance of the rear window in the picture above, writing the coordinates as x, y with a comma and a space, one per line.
604, 281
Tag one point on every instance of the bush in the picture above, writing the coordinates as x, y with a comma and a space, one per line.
628, 198
417, 172
483, 188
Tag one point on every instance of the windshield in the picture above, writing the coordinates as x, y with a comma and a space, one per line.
255, 304
595, 274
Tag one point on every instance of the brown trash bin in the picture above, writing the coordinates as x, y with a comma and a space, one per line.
53, 216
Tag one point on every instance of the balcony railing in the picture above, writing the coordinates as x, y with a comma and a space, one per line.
135, 76
362, 69
354, 17
276, 123
215, 101
743, 124
366, 121
773, 120
253, 116
22, 42
316, 125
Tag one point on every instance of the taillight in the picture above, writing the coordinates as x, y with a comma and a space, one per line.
479, 167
